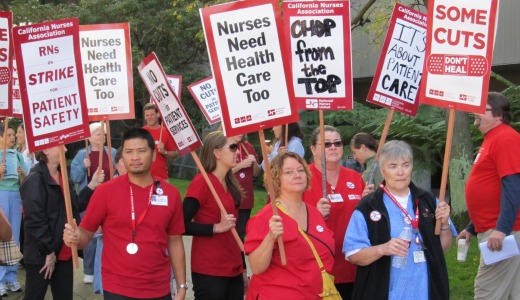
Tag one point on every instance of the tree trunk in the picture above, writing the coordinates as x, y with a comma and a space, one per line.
461, 161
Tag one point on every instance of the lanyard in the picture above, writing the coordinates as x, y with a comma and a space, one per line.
415, 223
132, 214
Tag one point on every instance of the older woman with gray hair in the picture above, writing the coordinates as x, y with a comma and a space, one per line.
376, 235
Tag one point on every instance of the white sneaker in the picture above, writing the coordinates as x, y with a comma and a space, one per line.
3, 291
88, 279
14, 286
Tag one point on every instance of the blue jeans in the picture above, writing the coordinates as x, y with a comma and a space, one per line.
11, 204
98, 284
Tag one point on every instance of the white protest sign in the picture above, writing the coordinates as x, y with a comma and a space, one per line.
107, 71
174, 116
51, 81
6, 59
399, 72
205, 94
247, 51
459, 53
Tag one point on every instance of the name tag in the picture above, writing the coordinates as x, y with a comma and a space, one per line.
418, 257
335, 198
159, 200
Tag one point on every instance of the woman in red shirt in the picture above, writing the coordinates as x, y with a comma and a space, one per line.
216, 260
301, 277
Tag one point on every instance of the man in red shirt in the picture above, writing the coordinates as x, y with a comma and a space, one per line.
165, 145
142, 221
492, 198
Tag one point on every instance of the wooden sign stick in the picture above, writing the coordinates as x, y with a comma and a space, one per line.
100, 162
68, 204
382, 141
446, 164
109, 145
270, 189
86, 150
323, 158
4, 148
217, 198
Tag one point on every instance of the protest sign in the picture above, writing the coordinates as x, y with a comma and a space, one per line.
106, 55
17, 95
399, 71
6, 60
205, 94
51, 82
173, 114
175, 82
320, 47
459, 52
250, 65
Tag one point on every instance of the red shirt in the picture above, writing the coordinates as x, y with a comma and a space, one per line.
159, 165
301, 277
217, 255
145, 274
497, 157
350, 186
245, 176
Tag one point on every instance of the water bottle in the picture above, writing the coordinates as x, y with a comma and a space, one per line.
400, 261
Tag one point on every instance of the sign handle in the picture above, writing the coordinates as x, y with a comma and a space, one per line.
4, 148
109, 145
86, 150
68, 204
270, 189
382, 141
217, 198
323, 158
446, 164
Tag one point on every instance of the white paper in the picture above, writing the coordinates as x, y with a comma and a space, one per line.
509, 249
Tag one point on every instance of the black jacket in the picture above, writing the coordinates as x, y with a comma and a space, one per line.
44, 213
373, 281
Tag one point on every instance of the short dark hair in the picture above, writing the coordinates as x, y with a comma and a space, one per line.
500, 106
149, 106
139, 133
366, 139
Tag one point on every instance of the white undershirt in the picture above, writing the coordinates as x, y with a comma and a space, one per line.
403, 200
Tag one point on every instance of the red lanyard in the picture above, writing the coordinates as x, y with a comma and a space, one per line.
415, 223
132, 215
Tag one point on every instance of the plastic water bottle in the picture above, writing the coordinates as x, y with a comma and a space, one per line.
400, 261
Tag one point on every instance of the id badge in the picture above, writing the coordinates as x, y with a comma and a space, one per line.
418, 257
335, 198
159, 200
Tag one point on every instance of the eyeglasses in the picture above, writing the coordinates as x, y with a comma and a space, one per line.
336, 144
232, 147
489, 109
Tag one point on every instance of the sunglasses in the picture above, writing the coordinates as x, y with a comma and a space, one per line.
232, 147
336, 144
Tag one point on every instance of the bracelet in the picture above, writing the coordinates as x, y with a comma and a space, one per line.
445, 228
182, 286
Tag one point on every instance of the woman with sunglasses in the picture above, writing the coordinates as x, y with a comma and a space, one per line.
216, 260
344, 190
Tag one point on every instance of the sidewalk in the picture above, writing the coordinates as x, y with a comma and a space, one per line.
86, 291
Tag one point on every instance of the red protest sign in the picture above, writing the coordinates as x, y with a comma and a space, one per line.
399, 71
51, 82
6, 60
175, 82
205, 94
173, 114
250, 66
459, 52
106, 55
320, 42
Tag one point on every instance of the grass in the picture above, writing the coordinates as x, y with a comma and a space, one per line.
461, 275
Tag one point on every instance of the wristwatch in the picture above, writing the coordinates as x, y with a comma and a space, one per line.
183, 286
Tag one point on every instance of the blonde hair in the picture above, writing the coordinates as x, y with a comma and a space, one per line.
276, 166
